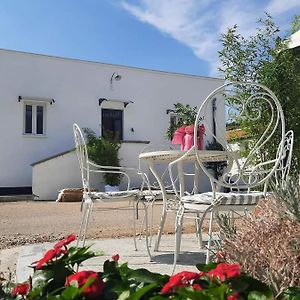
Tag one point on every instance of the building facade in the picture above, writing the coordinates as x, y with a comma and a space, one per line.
42, 96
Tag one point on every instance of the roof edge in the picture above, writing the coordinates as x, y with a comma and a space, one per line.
109, 64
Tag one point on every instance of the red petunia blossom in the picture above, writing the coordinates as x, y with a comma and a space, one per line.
59, 251
224, 271
66, 241
91, 292
48, 256
21, 289
234, 296
178, 280
116, 257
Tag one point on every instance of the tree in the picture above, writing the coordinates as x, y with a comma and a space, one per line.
265, 58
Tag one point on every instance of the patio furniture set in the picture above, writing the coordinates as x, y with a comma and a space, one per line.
243, 177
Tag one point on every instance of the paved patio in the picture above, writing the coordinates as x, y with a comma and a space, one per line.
162, 260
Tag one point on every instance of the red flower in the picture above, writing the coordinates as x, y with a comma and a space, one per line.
59, 251
94, 290
224, 271
234, 296
21, 289
48, 256
116, 257
180, 280
55, 252
69, 239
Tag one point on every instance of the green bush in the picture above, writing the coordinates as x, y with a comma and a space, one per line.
104, 152
265, 58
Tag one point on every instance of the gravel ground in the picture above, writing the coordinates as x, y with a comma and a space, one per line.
30, 222
35, 222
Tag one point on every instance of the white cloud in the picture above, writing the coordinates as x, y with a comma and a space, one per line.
277, 7
198, 24
181, 20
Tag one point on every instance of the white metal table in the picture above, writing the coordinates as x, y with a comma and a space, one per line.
168, 156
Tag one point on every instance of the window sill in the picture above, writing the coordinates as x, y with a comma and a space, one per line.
34, 135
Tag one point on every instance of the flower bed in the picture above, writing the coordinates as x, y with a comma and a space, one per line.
56, 276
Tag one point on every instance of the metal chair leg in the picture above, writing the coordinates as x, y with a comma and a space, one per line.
135, 215
84, 223
209, 237
199, 230
147, 230
178, 234
160, 229
151, 221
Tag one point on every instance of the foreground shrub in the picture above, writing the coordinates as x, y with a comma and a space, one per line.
56, 276
267, 243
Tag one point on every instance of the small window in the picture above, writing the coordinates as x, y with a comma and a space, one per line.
34, 118
112, 123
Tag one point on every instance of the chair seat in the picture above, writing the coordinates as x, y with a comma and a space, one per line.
156, 193
224, 198
115, 196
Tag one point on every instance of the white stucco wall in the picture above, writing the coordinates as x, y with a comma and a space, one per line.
50, 176
76, 87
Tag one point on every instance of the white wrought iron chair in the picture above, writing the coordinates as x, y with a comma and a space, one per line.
282, 173
246, 173
87, 167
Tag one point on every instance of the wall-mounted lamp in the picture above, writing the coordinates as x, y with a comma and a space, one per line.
115, 76
169, 111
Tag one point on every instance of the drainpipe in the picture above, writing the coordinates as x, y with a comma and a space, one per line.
214, 108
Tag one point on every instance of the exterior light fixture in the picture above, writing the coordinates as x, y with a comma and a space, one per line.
115, 76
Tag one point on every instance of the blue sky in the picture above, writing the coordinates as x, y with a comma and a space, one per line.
169, 35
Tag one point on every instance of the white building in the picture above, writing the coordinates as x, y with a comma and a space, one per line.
42, 96
294, 40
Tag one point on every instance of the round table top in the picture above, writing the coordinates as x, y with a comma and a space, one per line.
171, 155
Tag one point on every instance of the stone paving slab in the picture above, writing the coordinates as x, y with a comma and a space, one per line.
162, 260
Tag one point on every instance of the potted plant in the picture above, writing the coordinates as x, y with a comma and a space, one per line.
104, 151
185, 114
181, 130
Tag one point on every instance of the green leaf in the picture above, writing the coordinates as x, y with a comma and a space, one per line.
206, 267
159, 297
124, 295
142, 292
186, 293
77, 255
143, 275
291, 293
217, 292
70, 293
255, 295
247, 284
41, 278
110, 268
